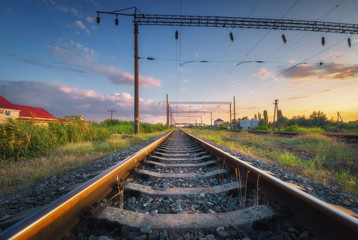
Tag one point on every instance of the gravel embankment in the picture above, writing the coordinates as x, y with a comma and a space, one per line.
321, 191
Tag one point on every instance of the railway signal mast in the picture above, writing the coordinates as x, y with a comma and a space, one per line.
221, 22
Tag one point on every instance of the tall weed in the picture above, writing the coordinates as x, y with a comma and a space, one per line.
22, 139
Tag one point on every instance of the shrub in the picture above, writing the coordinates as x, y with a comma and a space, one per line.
19, 139
261, 128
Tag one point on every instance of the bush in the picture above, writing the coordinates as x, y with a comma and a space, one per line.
19, 139
295, 128
261, 128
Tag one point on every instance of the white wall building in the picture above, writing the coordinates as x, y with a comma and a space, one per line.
248, 123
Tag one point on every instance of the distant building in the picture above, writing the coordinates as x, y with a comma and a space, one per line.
218, 122
8, 110
249, 123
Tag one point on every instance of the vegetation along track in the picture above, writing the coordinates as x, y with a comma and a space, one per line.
185, 189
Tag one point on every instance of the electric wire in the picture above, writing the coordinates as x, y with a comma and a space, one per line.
247, 54
303, 54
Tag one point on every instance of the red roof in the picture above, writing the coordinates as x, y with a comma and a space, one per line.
33, 112
6, 104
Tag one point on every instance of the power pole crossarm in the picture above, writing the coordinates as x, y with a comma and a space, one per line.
240, 22
201, 103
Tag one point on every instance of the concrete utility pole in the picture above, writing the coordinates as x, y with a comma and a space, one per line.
230, 117
111, 111
275, 112
339, 118
211, 118
234, 115
136, 81
167, 111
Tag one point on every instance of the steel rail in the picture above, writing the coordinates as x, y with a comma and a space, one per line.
57, 218
323, 219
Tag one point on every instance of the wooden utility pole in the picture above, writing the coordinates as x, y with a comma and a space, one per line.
275, 112
111, 111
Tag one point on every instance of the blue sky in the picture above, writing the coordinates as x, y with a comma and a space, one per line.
54, 55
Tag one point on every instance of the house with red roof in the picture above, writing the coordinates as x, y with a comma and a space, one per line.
10, 110
7, 110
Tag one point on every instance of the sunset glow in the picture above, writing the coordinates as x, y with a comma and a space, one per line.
55, 56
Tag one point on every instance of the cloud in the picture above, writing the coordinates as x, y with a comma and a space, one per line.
61, 100
326, 90
335, 71
89, 19
75, 12
294, 98
81, 57
185, 89
81, 25
264, 74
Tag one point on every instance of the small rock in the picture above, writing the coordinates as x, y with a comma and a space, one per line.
178, 209
304, 236
144, 229
210, 237
92, 237
246, 238
219, 229
292, 230
104, 238
186, 236
132, 235
223, 233
202, 194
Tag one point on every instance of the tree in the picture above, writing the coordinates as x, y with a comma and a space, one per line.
318, 119
255, 116
265, 117
259, 116
279, 113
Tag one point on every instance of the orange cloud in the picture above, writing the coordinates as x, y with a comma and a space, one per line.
336, 71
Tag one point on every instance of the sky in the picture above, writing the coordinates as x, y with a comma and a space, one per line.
55, 56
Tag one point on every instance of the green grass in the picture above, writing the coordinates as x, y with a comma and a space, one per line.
287, 159
312, 155
18, 175
295, 128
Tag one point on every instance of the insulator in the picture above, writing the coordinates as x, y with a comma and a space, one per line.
349, 42
231, 37
98, 19
323, 41
284, 39
116, 21
176, 35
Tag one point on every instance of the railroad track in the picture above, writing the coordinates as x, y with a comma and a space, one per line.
181, 187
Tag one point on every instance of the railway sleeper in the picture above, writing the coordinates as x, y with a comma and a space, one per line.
242, 219
173, 165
